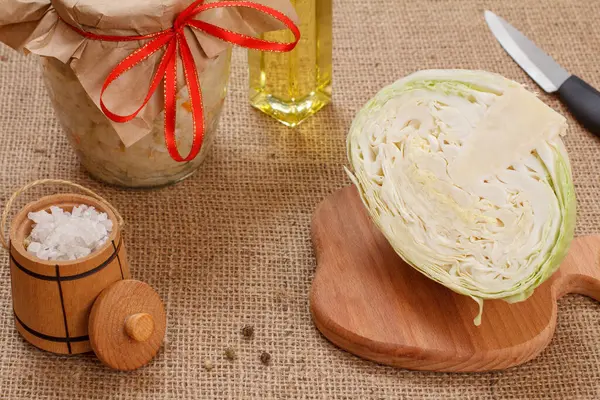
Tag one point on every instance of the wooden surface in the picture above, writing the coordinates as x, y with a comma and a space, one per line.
366, 300
112, 340
52, 299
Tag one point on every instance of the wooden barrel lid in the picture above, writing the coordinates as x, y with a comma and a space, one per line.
127, 325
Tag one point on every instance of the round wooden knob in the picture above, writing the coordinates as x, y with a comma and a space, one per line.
139, 326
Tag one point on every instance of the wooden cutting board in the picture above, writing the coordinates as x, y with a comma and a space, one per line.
367, 301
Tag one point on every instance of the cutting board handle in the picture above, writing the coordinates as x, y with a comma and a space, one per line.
580, 271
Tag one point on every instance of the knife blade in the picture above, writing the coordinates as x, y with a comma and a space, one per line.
580, 98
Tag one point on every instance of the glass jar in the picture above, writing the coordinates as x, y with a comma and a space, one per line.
147, 162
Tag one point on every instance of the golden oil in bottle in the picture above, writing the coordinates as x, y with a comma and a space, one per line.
292, 86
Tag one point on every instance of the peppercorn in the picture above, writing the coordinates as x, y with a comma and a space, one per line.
248, 331
230, 354
265, 358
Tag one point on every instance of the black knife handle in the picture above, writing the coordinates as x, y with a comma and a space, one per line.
583, 101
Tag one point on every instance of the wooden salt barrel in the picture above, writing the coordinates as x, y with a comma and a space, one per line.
52, 300
72, 307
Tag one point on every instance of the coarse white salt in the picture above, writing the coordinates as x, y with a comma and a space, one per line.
62, 235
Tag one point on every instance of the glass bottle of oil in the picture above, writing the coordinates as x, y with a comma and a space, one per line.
292, 86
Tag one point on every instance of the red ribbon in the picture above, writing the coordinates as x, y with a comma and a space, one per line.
174, 41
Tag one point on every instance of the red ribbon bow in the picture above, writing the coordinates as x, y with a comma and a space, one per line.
173, 39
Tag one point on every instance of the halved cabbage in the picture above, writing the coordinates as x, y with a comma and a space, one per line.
465, 174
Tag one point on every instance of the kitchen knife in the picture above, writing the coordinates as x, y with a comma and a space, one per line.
580, 98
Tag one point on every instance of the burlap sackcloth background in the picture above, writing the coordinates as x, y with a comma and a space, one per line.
231, 246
